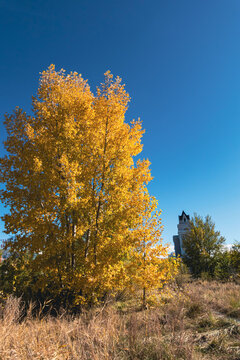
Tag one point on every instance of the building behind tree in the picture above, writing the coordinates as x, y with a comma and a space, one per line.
183, 227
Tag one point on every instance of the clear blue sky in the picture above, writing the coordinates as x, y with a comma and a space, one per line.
180, 61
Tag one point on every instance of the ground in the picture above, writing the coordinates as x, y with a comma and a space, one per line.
193, 320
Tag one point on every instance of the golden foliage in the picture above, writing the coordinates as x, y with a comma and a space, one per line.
78, 201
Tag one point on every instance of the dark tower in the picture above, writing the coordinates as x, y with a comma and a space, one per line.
183, 228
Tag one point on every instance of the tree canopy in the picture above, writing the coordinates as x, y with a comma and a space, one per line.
78, 199
202, 243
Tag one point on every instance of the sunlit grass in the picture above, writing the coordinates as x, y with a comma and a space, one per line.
190, 322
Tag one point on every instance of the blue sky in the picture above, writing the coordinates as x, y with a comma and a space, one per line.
180, 62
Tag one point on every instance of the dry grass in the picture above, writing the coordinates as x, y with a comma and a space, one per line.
222, 297
193, 323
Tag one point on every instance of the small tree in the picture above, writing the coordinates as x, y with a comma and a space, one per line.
235, 258
148, 266
202, 245
223, 269
228, 263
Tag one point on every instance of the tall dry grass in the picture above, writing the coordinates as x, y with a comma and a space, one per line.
186, 326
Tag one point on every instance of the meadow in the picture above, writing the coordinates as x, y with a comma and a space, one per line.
193, 320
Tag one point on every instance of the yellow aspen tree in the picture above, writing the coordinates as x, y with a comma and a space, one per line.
149, 267
75, 193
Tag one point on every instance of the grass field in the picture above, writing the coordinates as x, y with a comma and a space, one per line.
194, 320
